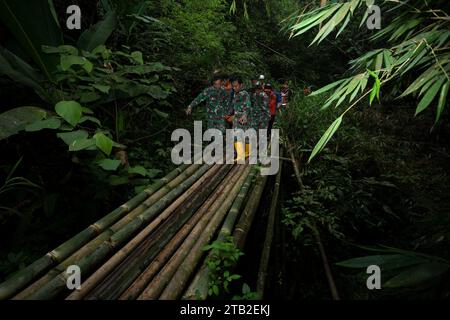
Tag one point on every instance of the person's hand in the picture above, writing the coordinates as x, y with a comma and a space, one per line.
189, 110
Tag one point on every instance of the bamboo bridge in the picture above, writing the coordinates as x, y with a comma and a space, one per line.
151, 247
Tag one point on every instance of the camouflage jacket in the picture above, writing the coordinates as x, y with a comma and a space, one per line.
217, 101
260, 113
242, 106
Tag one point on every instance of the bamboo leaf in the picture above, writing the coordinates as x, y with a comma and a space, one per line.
429, 96
417, 275
326, 88
325, 138
385, 262
442, 100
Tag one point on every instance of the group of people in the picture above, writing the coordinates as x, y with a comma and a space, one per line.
229, 102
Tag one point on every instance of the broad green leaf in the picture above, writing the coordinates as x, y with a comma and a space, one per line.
61, 49
102, 88
51, 123
89, 118
103, 143
442, 100
87, 110
67, 61
70, 137
137, 56
109, 164
81, 144
99, 33
70, 111
325, 138
15, 120
429, 96
138, 170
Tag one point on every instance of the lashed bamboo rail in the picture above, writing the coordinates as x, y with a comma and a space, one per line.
264, 262
198, 289
176, 285
243, 226
108, 232
142, 281
58, 284
26, 275
149, 247
121, 254
154, 289
136, 262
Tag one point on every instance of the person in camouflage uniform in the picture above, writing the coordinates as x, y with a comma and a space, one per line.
217, 101
241, 105
241, 108
260, 114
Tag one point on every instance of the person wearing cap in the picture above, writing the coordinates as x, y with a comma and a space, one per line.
217, 101
262, 80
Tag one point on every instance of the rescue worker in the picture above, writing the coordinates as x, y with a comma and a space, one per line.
260, 108
217, 104
241, 106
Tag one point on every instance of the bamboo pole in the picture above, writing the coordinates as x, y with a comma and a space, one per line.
177, 284
262, 274
106, 234
198, 289
144, 278
106, 268
246, 219
156, 286
26, 275
134, 264
315, 231
55, 286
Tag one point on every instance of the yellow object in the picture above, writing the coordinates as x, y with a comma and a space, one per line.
240, 150
247, 150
